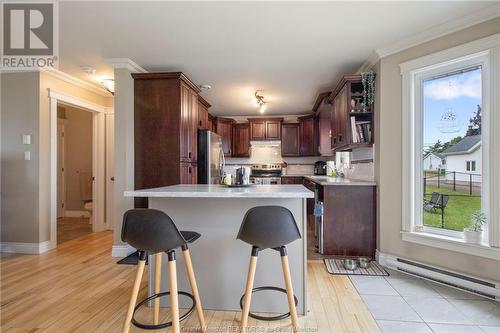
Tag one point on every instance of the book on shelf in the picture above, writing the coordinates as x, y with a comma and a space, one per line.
361, 131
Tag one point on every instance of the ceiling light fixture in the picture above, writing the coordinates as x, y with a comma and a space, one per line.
109, 85
259, 101
205, 87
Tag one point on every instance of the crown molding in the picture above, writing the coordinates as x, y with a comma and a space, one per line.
440, 30
125, 63
369, 62
75, 81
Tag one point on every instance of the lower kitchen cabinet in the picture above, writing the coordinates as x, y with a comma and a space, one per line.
349, 220
291, 180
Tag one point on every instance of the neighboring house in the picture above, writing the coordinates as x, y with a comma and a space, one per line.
434, 162
464, 157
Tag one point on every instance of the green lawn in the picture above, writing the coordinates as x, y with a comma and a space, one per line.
458, 211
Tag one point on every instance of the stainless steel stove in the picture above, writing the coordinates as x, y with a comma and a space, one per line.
265, 174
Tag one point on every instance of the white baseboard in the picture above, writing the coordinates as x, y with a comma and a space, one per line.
26, 248
77, 213
122, 251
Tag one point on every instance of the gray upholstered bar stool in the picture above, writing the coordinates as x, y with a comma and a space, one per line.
268, 227
153, 232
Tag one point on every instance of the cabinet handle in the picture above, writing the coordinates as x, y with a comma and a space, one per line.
189, 169
335, 140
340, 138
189, 155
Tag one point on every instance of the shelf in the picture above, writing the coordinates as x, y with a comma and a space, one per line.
361, 113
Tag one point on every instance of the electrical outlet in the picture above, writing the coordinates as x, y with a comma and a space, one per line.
27, 155
26, 139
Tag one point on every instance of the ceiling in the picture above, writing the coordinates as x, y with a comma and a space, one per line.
289, 50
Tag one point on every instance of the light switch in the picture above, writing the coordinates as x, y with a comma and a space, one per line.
26, 139
27, 155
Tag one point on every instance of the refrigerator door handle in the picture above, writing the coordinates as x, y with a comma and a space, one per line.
222, 163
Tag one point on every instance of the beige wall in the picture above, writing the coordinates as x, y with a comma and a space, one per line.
77, 154
19, 186
124, 147
389, 159
25, 197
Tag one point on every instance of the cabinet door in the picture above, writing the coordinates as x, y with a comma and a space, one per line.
258, 130
188, 173
342, 118
203, 121
224, 129
291, 180
273, 130
290, 140
241, 140
193, 126
185, 119
307, 136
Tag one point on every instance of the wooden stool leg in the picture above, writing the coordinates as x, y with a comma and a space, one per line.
289, 288
194, 287
174, 297
133, 297
156, 304
248, 289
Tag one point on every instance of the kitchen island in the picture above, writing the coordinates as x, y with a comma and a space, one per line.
220, 260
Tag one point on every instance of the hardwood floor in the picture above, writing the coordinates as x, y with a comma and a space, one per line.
79, 288
69, 228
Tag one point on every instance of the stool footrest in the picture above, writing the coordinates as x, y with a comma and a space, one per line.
267, 318
167, 324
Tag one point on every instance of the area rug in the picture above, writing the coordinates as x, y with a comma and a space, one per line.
336, 267
131, 259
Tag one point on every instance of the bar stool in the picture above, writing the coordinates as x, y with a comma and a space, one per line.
268, 227
153, 232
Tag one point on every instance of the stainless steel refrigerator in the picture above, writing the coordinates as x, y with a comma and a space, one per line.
210, 157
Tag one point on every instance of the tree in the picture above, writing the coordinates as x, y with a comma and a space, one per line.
439, 147
475, 123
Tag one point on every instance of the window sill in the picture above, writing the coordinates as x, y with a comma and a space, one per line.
452, 244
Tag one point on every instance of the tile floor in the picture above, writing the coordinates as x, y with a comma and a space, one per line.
403, 303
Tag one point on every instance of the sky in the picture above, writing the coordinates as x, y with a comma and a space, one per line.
455, 96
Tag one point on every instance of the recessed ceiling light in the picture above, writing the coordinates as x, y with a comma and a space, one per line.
89, 70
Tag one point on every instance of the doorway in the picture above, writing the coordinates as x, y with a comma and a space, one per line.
75, 180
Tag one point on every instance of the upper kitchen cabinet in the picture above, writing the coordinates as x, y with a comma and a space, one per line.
290, 142
308, 131
212, 125
224, 127
241, 140
351, 121
323, 117
265, 128
203, 118
165, 130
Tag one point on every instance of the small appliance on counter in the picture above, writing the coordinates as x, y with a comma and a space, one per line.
243, 176
320, 168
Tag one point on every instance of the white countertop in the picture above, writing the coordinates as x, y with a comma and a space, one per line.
326, 180
221, 191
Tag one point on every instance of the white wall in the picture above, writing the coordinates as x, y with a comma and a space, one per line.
433, 163
458, 163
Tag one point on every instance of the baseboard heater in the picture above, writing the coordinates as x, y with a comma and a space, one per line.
474, 285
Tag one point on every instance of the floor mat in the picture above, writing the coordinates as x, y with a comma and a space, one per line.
336, 267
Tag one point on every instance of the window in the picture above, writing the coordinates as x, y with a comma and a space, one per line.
446, 101
470, 166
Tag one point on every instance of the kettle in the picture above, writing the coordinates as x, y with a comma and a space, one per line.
243, 176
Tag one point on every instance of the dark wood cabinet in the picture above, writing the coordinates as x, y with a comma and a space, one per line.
349, 220
265, 128
203, 119
308, 135
296, 180
212, 124
224, 127
351, 126
189, 173
165, 130
290, 143
241, 140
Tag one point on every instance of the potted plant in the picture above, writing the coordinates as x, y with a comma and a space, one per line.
472, 234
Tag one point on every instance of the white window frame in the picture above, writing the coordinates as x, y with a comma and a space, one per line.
485, 53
